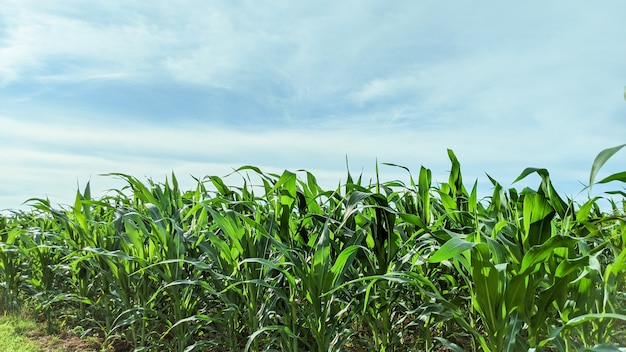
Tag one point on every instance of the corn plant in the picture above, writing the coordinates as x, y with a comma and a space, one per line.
280, 263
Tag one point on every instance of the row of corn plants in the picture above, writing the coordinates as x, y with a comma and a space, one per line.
278, 263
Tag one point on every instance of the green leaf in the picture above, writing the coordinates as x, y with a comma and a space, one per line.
514, 327
473, 198
413, 220
529, 170
602, 348
488, 291
283, 329
536, 208
620, 176
450, 345
515, 297
343, 262
424, 183
593, 316
453, 247
542, 252
320, 263
287, 184
602, 157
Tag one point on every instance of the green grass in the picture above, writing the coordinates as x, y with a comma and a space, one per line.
12, 335
20, 333
280, 263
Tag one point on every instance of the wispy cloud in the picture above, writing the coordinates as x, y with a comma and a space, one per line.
198, 87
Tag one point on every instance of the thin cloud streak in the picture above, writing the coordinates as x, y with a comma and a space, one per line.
71, 154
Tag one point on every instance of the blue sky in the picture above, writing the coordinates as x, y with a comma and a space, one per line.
202, 87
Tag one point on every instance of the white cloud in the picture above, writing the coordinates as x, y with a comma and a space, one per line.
381, 88
52, 158
40, 43
505, 86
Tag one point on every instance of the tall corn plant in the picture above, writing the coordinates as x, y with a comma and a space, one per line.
294, 267
519, 269
318, 255
162, 253
76, 231
12, 263
391, 251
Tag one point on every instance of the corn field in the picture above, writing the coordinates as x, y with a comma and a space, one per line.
280, 264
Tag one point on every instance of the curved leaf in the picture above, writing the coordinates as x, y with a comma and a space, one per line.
453, 247
529, 170
593, 316
602, 157
620, 176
